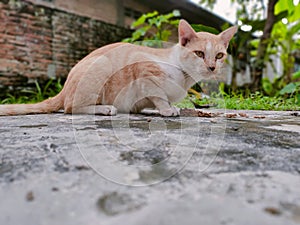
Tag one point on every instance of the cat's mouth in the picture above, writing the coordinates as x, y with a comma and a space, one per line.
211, 73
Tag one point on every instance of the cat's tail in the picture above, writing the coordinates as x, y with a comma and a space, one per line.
47, 106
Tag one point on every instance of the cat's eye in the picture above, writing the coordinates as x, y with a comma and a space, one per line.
199, 54
220, 55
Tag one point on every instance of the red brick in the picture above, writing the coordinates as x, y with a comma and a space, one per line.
33, 37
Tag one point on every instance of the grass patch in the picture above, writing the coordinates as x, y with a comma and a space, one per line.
34, 95
255, 101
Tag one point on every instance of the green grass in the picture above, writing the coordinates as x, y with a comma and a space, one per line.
255, 101
37, 94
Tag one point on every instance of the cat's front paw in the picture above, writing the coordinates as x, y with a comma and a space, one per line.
172, 111
105, 110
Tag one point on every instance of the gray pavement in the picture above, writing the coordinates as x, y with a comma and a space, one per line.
208, 167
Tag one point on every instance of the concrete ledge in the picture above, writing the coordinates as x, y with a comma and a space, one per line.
234, 167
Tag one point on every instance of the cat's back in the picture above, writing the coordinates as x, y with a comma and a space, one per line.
106, 49
119, 55
124, 50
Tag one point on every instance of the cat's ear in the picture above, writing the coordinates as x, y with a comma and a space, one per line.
185, 32
227, 34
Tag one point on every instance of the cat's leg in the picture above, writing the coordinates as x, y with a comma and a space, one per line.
164, 107
104, 110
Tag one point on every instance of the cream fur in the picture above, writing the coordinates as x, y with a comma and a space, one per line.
129, 78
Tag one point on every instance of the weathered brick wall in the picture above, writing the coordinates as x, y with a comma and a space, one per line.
37, 42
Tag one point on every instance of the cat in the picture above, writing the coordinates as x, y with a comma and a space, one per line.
128, 78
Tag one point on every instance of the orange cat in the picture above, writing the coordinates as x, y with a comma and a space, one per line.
128, 78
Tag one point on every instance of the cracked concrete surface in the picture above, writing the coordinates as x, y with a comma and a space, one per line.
228, 168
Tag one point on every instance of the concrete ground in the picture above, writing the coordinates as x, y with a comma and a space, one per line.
205, 167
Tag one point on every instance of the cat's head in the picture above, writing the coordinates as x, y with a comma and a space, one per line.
203, 54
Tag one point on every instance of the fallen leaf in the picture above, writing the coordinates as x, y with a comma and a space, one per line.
273, 210
259, 117
207, 114
243, 115
230, 115
30, 196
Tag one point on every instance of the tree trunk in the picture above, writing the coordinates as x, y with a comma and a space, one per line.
262, 48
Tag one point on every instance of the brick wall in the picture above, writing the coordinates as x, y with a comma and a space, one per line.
37, 42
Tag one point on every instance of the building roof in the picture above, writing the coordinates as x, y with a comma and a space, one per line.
190, 11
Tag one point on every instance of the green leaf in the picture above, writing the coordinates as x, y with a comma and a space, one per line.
298, 99
296, 75
294, 29
139, 33
143, 18
174, 22
283, 5
127, 40
202, 28
136, 35
254, 43
288, 89
168, 16
165, 35
155, 21
253, 53
295, 15
267, 86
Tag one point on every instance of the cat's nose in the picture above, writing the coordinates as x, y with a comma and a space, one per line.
211, 68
